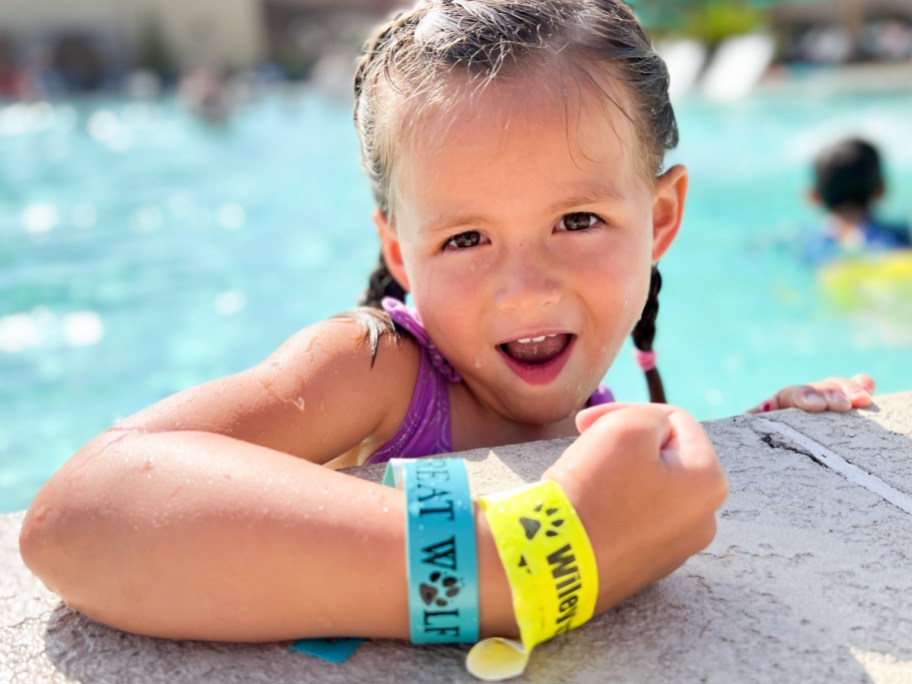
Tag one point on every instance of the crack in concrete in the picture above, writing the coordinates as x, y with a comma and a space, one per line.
775, 442
781, 436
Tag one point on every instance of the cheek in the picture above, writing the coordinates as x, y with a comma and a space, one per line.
622, 295
439, 281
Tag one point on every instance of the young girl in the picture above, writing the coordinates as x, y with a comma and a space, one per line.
515, 149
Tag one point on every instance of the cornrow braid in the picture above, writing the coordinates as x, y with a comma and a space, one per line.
644, 335
381, 284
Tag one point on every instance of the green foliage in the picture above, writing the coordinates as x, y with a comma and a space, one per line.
154, 52
716, 22
708, 20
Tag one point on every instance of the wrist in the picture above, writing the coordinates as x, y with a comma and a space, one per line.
495, 598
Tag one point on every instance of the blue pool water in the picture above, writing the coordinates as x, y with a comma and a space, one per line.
142, 251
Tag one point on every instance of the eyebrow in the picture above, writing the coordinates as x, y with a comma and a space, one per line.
589, 193
583, 194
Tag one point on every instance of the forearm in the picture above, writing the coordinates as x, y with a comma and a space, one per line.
195, 535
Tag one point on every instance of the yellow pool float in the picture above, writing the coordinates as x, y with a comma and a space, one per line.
874, 280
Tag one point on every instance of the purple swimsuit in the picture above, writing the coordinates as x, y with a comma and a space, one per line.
426, 428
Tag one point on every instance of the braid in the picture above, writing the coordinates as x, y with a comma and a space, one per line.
381, 284
644, 334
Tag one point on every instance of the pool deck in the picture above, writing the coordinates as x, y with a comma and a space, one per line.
808, 580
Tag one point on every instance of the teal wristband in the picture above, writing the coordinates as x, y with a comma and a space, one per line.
440, 548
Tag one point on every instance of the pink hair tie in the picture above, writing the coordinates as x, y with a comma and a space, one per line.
645, 359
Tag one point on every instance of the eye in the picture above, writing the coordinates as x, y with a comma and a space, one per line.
578, 221
471, 238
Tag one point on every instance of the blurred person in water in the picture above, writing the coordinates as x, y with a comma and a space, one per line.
848, 184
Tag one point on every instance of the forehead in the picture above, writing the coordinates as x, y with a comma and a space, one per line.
550, 118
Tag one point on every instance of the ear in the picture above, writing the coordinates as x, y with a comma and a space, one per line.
814, 196
667, 208
392, 250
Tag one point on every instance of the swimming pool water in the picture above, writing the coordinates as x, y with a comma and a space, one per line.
143, 251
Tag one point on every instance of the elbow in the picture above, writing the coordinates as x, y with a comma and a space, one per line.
52, 545
34, 546
61, 541
48, 545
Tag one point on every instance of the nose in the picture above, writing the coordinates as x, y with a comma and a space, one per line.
527, 277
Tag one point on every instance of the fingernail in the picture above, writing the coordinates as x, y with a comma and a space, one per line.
840, 400
813, 400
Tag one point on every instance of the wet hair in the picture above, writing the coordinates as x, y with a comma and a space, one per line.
848, 175
414, 62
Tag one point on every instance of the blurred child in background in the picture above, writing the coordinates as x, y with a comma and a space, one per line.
848, 183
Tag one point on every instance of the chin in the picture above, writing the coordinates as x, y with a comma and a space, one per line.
545, 412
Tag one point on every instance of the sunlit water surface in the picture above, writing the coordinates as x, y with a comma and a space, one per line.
142, 251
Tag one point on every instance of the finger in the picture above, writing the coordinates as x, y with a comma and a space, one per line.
805, 397
866, 382
844, 394
771, 404
692, 453
689, 446
858, 389
588, 416
631, 429
836, 397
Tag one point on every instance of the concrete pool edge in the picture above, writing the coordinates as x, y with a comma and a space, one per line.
807, 580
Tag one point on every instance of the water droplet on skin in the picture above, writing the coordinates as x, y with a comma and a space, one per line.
386, 509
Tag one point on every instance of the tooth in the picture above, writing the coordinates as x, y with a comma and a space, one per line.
539, 339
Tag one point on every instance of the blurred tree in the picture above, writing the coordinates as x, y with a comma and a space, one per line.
154, 53
710, 21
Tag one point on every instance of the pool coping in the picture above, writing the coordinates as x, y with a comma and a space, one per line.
807, 580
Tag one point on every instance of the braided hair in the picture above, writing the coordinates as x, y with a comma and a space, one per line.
408, 66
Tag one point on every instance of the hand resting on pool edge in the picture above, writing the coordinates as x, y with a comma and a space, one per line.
833, 394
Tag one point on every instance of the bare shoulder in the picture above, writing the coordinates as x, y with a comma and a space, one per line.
358, 346
324, 391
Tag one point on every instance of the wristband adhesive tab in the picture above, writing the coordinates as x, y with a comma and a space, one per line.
440, 548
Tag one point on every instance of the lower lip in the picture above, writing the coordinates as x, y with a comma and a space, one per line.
540, 373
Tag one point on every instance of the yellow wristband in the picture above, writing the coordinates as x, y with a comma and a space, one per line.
551, 569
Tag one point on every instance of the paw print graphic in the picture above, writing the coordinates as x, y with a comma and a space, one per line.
546, 520
543, 518
439, 589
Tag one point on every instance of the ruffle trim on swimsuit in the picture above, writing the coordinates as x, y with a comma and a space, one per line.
407, 317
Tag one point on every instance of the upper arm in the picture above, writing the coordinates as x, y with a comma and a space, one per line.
317, 396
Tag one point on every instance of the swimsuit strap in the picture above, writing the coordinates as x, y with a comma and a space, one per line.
602, 395
425, 430
408, 318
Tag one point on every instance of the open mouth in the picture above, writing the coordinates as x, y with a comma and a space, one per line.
537, 360
536, 350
